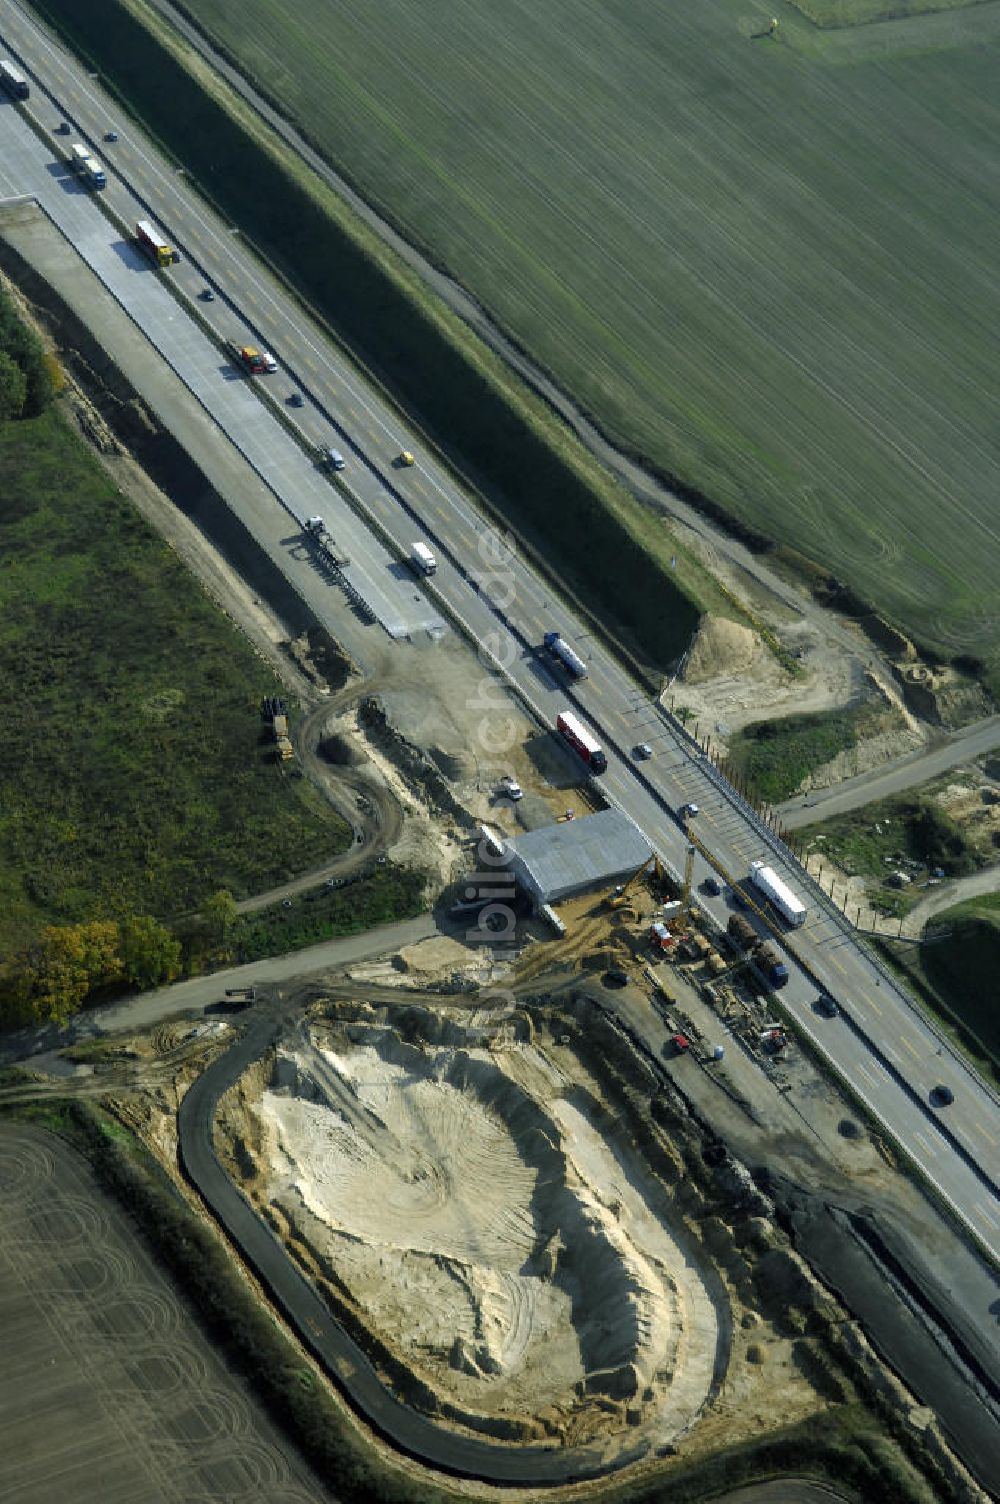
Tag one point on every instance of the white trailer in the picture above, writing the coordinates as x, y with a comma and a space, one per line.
422, 559
14, 81
88, 167
788, 904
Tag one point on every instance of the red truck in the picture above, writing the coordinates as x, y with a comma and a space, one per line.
255, 362
150, 239
581, 741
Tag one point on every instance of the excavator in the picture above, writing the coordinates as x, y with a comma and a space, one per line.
620, 894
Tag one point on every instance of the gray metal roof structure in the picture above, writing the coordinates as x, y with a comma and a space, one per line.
560, 860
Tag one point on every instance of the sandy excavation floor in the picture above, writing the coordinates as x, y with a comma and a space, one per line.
458, 1188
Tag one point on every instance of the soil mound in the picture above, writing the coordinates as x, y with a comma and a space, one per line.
455, 766
339, 751
720, 647
465, 1206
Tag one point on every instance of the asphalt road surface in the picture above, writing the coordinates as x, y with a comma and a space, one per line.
882, 783
882, 1045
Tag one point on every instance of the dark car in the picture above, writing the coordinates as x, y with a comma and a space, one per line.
207, 295
826, 1006
297, 400
111, 135
942, 1096
62, 129
713, 886
642, 752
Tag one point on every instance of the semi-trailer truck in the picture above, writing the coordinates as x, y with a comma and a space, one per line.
325, 542
564, 654
153, 243
255, 362
87, 166
14, 81
788, 904
743, 935
422, 559
581, 741
774, 969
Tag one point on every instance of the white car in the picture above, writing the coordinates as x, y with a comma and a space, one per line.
690, 810
511, 788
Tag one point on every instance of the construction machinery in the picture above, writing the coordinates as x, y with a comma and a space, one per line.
273, 710
754, 947
282, 740
620, 894
325, 543
688, 876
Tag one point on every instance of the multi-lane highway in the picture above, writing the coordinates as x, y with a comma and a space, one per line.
881, 1044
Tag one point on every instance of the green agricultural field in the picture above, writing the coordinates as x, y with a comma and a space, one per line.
133, 771
766, 263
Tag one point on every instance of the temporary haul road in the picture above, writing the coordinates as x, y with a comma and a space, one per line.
882, 1045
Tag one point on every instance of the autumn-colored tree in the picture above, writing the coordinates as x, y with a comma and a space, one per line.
149, 952
66, 964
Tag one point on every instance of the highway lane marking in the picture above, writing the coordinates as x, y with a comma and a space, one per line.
918, 1138
841, 968
908, 1046
986, 1214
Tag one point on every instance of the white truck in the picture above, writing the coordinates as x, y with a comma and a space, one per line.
788, 904
86, 166
422, 559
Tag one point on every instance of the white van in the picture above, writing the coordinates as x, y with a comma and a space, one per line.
422, 559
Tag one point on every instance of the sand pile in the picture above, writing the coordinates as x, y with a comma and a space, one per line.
484, 1229
720, 647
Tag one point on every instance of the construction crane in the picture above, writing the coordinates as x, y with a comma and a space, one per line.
620, 894
686, 891
716, 865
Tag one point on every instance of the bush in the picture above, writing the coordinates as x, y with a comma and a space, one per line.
939, 841
24, 351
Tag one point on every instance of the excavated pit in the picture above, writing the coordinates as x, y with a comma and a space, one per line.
449, 1187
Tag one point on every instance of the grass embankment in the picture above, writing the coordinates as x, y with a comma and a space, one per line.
773, 758
748, 258
598, 541
360, 903
134, 775
957, 974
844, 1446
910, 833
